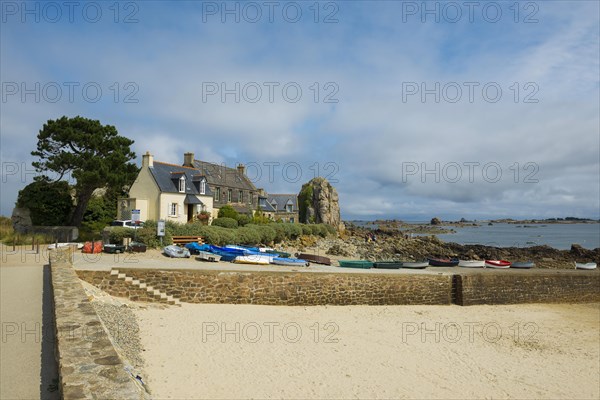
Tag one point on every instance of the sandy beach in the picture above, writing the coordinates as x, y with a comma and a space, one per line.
533, 351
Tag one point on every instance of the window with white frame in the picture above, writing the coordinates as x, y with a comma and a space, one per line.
173, 209
241, 196
229, 195
203, 186
182, 184
218, 194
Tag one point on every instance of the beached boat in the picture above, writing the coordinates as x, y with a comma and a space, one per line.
497, 264
114, 248
471, 263
415, 264
176, 252
588, 266
293, 262
364, 264
253, 259
195, 247
523, 265
277, 253
387, 264
207, 256
443, 262
59, 245
314, 258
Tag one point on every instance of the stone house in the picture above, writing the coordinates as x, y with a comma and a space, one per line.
285, 206
167, 191
228, 185
178, 193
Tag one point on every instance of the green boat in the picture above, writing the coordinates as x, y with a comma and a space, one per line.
282, 254
364, 264
388, 264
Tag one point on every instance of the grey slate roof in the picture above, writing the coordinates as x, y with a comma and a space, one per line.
167, 177
219, 175
265, 205
281, 200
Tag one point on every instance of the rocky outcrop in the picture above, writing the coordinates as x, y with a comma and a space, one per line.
319, 203
435, 221
21, 220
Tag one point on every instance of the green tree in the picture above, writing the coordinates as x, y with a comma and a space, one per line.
94, 154
50, 203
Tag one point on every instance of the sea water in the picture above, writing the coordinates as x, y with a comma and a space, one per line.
559, 236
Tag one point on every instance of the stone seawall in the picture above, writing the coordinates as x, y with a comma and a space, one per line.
306, 288
89, 366
279, 288
515, 288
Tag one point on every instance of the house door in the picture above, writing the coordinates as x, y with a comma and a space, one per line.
190, 212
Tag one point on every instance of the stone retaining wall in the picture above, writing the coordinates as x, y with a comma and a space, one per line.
514, 288
280, 288
290, 288
89, 365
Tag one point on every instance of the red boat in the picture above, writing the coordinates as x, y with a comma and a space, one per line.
497, 264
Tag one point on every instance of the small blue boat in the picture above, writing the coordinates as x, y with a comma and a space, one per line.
294, 262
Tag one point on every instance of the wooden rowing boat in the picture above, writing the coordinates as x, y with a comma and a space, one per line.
364, 264
415, 264
443, 262
523, 265
314, 258
587, 266
387, 264
207, 256
292, 262
471, 263
497, 264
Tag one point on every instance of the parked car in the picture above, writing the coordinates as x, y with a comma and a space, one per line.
127, 223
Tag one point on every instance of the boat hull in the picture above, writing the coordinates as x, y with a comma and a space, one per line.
292, 262
314, 258
362, 264
523, 265
437, 262
497, 264
253, 259
176, 252
387, 265
586, 266
415, 264
471, 264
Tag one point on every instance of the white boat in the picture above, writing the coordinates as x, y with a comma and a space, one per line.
588, 266
253, 259
59, 245
176, 252
471, 263
207, 256
265, 249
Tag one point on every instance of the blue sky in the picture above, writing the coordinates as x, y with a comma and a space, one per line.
400, 119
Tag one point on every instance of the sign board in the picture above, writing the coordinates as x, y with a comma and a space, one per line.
160, 228
135, 216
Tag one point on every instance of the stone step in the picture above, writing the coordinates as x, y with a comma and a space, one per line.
142, 285
121, 276
114, 272
128, 279
136, 282
149, 289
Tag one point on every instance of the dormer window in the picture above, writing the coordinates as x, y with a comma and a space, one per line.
182, 184
203, 186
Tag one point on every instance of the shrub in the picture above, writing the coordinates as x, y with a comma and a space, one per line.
267, 234
280, 232
248, 235
294, 231
49, 202
225, 222
243, 220
228, 211
306, 229
116, 234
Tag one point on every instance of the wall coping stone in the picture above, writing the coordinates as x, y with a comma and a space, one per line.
89, 366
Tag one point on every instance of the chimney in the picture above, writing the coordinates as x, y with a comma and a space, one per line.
261, 192
147, 160
188, 159
241, 169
